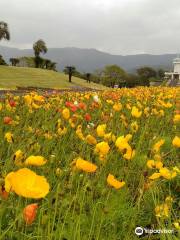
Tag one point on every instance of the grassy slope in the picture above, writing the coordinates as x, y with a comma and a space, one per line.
11, 77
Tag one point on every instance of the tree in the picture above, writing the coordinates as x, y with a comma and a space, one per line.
2, 61
4, 34
97, 76
47, 63
70, 70
132, 80
145, 73
14, 61
52, 66
88, 77
160, 73
4, 31
113, 74
39, 47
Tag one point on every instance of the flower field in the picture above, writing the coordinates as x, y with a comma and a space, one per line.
90, 166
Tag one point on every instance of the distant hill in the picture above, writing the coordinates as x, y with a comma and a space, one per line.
88, 60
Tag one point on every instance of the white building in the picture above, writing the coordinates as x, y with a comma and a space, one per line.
175, 75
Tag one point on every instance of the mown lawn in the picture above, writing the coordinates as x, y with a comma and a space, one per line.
11, 77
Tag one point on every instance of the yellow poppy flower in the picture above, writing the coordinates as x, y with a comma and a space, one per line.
35, 161
38, 98
109, 101
135, 112
157, 146
101, 130
91, 140
71, 122
9, 137
102, 148
146, 111
161, 113
134, 127
66, 113
18, 157
117, 107
176, 169
48, 135
167, 174
79, 132
176, 142
28, 99
114, 182
35, 106
162, 210
169, 200
155, 176
85, 165
108, 136
121, 143
129, 153
176, 118
62, 131
177, 225
157, 157
154, 164
27, 183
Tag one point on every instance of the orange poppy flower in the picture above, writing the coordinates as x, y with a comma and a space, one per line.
29, 213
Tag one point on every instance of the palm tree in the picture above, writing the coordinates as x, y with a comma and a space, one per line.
4, 31
39, 47
70, 70
88, 77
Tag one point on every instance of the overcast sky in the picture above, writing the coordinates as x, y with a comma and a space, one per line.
114, 26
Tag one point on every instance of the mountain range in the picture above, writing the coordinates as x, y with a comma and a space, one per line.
89, 60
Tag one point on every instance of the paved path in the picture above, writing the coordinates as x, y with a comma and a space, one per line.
49, 91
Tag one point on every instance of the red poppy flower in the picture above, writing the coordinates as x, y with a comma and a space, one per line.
73, 108
12, 103
82, 106
7, 120
87, 117
69, 104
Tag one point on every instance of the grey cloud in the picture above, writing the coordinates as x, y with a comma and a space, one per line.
115, 26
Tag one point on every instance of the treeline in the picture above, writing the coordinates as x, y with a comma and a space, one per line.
115, 76
32, 61
37, 61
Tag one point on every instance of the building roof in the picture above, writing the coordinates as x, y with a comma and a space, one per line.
176, 60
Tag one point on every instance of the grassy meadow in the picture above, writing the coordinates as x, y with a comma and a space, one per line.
12, 77
88, 166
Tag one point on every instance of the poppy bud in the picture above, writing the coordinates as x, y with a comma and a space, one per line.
4, 195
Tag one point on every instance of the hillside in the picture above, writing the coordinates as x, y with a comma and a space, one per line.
11, 77
88, 60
